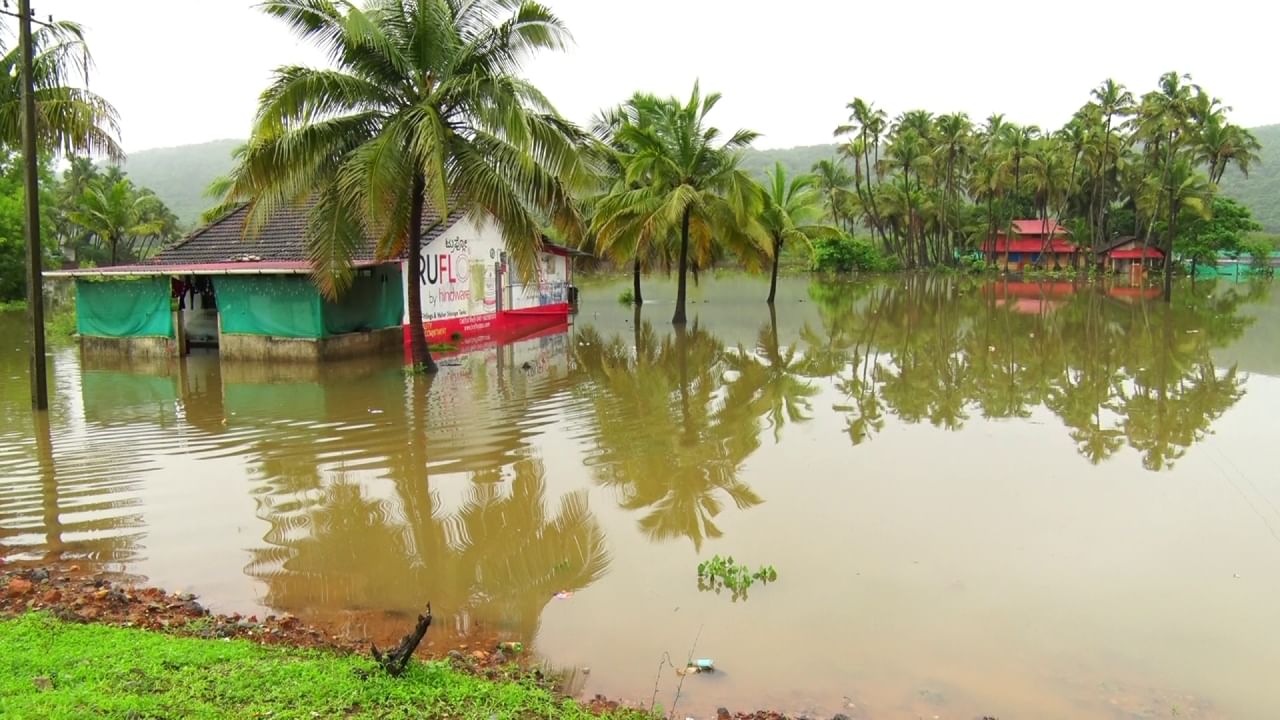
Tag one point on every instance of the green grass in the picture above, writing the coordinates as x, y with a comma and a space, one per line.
13, 305
110, 672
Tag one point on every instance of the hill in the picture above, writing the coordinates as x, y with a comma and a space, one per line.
796, 160
1260, 192
179, 175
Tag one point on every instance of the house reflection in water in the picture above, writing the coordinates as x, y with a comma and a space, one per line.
1038, 298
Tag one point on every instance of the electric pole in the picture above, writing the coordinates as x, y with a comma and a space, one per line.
35, 253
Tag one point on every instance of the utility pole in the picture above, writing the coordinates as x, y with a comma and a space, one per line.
35, 254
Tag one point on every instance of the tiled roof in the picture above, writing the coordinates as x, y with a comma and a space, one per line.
1119, 243
1136, 254
1037, 227
281, 239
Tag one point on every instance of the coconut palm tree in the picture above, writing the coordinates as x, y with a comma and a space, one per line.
641, 242
422, 107
952, 152
1222, 144
117, 214
69, 119
792, 211
833, 180
1047, 169
1017, 140
1185, 188
1114, 101
907, 153
869, 123
690, 183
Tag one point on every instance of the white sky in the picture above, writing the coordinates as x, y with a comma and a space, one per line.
186, 71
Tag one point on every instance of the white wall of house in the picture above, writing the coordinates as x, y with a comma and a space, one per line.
460, 275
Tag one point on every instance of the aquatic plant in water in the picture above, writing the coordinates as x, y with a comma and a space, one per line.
719, 573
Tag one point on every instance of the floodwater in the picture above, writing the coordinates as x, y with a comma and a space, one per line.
1008, 500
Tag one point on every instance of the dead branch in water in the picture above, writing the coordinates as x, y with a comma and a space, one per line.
397, 660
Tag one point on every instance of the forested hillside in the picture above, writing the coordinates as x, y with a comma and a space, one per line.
1260, 192
179, 175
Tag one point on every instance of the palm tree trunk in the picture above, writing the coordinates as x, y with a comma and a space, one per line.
991, 230
876, 224
1168, 253
637, 318
635, 282
773, 279
681, 283
1100, 236
419, 352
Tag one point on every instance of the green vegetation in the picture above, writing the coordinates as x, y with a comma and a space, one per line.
421, 107
74, 119
792, 215
88, 216
934, 188
719, 573
1223, 231
846, 253
1259, 251
1259, 191
103, 218
82, 212
680, 187
52, 669
13, 252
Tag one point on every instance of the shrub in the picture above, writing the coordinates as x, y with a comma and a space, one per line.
974, 263
846, 254
1259, 251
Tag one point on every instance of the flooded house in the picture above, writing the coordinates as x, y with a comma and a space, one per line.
1031, 243
251, 295
1131, 255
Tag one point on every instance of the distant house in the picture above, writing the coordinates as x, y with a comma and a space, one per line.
253, 298
1129, 255
1031, 243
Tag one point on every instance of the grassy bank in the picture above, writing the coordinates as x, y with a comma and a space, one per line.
54, 669
59, 321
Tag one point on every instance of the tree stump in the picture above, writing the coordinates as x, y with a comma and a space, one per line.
397, 660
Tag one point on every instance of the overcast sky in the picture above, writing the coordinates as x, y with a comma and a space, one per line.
186, 71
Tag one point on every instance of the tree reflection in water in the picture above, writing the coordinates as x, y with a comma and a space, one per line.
1112, 364
367, 554
666, 440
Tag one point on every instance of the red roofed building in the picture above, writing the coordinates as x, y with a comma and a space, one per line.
1032, 243
1127, 254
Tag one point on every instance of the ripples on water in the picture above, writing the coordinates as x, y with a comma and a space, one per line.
885, 446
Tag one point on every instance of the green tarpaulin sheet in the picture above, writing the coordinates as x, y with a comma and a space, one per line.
290, 306
276, 305
372, 302
124, 308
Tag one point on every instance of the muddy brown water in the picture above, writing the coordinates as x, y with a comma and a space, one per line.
1012, 500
